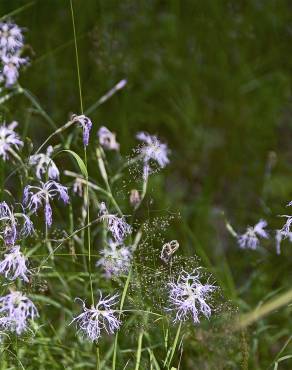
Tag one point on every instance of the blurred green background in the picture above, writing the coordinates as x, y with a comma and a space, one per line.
212, 79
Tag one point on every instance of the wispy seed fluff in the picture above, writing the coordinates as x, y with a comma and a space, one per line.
15, 312
251, 238
189, 297
101, 317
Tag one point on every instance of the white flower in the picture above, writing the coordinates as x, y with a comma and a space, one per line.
116, 225
44, 164
250, 239
11, 65
13, 224
116, 259
15, 310
280, 235
14, 265
9, 140
107, 139
152, 150
188, 297
11, 38
101, 317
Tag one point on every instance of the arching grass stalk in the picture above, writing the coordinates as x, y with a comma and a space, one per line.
17, 11
120, 85
8, 96
57, 132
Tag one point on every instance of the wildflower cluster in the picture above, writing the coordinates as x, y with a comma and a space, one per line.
11, 47
42, 189
251, 238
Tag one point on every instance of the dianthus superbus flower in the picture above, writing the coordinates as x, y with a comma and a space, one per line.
11, 45
11, 38
281, 235
9, 140
107, 139
11, 65
116, 225
35, 197
15, 311
13, 266
189, 297
101, 317
13, 224
152, 149
86, 125
116, 259
44, 164
250, 239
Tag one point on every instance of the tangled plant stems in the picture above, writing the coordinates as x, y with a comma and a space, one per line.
120, 239
134, 271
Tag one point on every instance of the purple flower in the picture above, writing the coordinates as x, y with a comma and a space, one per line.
281, 235
116, 259
11, 65
107, 139
11, 38
78, 187
116, 225
45, 165
151, 150
188, 297
14, 265
13, 224
15, 310
250, 239
11, 44
101, 317
86, 125
9, 140
286, 228
40, 196
287, 225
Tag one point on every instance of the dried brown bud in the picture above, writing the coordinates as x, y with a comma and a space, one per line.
135, 198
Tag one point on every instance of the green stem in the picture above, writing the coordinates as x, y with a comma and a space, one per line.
85, 153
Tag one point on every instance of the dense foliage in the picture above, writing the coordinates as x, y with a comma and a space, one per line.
145, 225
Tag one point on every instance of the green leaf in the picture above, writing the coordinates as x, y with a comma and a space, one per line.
79, 161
